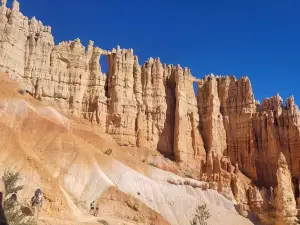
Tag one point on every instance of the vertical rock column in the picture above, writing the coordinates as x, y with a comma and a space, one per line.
188, 144
39, 46
95, 101
156, 107
14, 29
286, 211
141, 122
237, 107
211, 119
268, 144
147, 107
122, 107
167, 115
292, 121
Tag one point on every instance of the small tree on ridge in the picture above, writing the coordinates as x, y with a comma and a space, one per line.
201, 216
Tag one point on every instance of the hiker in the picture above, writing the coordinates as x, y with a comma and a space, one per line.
93, 209
96, 211
2, 192
2, 199
92, 206
13, 197
37, 200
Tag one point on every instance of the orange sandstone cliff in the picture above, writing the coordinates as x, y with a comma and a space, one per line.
221, 134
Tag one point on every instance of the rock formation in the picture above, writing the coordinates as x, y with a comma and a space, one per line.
211, 123
150, 106
154, 106
253, 132
286, 211
255, 200
188, 143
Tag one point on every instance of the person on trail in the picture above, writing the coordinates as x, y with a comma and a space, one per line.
37, 200
96, 211
3, 192
2, 199
13, 197
92, 206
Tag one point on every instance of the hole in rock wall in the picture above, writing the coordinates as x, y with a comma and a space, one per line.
104, 69
104, 64
195, 86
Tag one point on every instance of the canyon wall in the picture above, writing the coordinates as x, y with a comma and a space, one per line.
154, 105
252, 135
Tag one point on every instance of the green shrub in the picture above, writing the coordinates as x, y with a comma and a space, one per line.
201, 216
108, 151
152, 164
103, 222
12, 208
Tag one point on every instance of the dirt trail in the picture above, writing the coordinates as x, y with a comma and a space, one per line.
78, 214
51, 221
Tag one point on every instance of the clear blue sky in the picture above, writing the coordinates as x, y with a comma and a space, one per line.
258, 38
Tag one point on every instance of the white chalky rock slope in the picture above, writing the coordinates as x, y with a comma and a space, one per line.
62, 155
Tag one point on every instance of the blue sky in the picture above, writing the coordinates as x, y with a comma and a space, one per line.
258, 38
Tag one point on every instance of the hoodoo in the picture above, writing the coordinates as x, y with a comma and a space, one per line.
222, 136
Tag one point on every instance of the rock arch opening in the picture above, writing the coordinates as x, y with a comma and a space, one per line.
195, 87
104, 64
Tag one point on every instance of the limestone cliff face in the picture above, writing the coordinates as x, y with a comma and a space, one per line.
157, 107
252, 135
188, 142
211, 120
154, 105
150, 106
122, 108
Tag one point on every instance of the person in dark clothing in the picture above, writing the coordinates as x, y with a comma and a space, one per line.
3, 220
14, 197
92, 207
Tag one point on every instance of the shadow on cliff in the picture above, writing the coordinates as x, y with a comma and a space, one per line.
165, 143
251, 216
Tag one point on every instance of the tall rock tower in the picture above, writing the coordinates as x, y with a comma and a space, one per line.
286, 211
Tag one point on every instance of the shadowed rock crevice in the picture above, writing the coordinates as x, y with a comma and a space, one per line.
166, 140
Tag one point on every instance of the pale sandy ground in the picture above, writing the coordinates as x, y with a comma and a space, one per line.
64, 157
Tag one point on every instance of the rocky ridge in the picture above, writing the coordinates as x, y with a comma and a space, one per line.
220, 132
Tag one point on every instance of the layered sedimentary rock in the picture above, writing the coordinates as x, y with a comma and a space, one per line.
150, 106
156, 106
286, 211
188, 142
221, 130
211, 119
255, 134
122, 109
